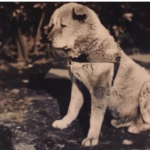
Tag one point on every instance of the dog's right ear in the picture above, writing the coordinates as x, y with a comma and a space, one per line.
80, 13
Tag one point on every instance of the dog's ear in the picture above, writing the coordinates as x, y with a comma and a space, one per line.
80, 13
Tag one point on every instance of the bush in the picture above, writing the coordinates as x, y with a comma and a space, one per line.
23, 26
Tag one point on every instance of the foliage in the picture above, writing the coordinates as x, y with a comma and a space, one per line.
24, 26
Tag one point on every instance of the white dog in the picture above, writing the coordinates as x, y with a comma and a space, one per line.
114, 80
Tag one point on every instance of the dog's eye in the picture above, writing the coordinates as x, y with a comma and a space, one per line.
63, 26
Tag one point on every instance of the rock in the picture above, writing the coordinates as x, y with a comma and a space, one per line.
25, 81
24, 146
30, 65
15, 91
127, 142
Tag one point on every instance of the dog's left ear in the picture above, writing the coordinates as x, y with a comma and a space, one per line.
80, 13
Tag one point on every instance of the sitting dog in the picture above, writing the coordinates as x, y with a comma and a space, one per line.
114, 81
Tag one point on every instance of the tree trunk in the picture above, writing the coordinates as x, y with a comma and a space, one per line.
38, 34
20, 56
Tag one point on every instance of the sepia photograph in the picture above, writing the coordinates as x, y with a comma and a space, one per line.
75, 75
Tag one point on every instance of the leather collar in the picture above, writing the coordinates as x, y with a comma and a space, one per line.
99, 56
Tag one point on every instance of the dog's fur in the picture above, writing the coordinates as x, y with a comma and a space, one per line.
78, 28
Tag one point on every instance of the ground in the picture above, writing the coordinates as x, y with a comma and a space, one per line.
31, 99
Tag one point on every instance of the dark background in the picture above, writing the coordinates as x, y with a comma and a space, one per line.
23, 26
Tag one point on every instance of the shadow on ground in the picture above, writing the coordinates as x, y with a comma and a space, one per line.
60, 89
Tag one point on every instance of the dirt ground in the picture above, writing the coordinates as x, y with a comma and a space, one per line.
29, 103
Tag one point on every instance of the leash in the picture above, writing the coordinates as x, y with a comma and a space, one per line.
99, 56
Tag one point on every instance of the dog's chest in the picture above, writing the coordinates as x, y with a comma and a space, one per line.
84, 72
91, 74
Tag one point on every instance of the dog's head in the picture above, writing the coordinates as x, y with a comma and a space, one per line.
73, 27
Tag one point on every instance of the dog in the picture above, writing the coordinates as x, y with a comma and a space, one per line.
114, 81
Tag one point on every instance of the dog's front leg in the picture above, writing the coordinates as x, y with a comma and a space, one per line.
73, 110
97, 114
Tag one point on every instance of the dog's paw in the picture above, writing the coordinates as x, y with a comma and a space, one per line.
120, 123
90, 141
134, 129
60, 124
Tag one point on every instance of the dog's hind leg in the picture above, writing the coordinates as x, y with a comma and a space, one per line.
145, 102
73, 110
121, 123
136, 128
144, 99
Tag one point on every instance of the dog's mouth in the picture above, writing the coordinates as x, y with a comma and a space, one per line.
65, 48
67, 51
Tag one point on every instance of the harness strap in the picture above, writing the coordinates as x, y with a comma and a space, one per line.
116, 68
